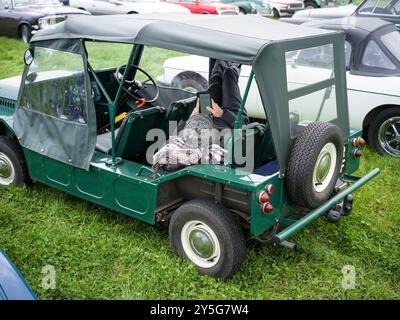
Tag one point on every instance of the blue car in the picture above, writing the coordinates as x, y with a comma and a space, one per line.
12, 285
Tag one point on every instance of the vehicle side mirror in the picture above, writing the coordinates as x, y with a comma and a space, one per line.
28, 57
6, 7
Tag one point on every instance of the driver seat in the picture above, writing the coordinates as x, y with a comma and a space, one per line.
104, 143
130, 137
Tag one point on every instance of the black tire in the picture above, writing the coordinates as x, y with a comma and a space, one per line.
12, 158
317, 142
310, 5
190, 81
275, 13
226, 229
382, 136
25, 32
242, 11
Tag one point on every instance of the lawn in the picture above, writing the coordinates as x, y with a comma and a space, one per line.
100, 254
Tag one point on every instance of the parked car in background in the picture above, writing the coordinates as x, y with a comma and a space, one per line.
245, 6
373, 78
313, 4
21, 18
208, 6
321, 14
12, 285
100, 7
282, 8
388, 10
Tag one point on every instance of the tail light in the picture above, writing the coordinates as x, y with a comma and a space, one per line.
263, 197
358, 142
357, 153
270, 188
267, 208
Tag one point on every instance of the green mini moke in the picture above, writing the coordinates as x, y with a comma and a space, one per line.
60, 129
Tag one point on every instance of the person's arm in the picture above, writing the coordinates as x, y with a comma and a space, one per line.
226, 115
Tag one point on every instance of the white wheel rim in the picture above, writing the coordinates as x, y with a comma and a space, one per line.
200, 244
7, 171
324, 167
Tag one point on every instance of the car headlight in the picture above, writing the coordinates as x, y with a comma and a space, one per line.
43, 23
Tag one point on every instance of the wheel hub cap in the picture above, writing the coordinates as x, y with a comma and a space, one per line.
389, 136
323, 167
6, 170
201, 243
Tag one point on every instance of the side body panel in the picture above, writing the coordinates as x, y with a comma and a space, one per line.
127, 188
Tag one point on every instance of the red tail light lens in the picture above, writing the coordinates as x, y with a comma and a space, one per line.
358, 142
263, 197
270, 188
357, 153
267, 208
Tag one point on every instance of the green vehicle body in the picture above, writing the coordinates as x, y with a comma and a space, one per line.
131, 188
247, 7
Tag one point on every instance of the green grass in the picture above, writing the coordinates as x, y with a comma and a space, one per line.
100, 254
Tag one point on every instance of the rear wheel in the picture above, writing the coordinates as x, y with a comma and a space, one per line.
13, 170
242, 11
206, 234
384, 132
314, 164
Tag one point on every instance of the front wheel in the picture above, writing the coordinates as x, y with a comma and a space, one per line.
310, 5
275, 13
384, 132
13, 170
206, 234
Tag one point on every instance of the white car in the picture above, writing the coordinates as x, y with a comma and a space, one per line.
373, 79
100, 7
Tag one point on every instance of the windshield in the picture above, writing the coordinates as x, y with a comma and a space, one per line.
391, 41
22, 3
382, 7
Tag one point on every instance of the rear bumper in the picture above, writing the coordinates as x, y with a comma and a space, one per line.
310, 217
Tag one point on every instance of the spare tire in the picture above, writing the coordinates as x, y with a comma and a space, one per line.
314, 164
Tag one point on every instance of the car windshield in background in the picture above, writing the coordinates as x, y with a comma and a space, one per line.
391, 41
24, 3
381, 7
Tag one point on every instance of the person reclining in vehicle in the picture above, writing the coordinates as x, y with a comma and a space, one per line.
183, 149
225, 95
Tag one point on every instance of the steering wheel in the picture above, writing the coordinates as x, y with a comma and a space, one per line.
135, 86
